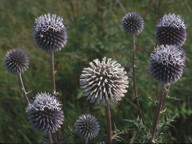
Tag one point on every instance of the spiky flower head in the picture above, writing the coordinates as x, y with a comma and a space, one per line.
132, 23
45, 113
104, 82
171, 30
16, 61
49, 32
167, 63
87, 126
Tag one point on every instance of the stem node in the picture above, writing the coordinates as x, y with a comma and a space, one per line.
22, 87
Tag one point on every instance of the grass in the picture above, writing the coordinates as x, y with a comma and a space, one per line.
94, 30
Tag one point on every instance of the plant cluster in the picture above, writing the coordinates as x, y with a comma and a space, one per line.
105, 81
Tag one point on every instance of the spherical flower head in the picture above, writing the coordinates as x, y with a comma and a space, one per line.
132, 23
167, 63
45, 113
104, 82
16, 61
87, 126
171, 30
49, 32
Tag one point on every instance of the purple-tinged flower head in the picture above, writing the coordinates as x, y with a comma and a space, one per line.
16, 61
171, 30
45, 113
87, 126
132, 23
49, 32
167, 63
104, 82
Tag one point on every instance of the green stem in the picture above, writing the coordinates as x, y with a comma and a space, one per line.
23, 88
134, 79
162, 97
108, 113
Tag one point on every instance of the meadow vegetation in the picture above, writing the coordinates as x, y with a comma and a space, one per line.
94, 31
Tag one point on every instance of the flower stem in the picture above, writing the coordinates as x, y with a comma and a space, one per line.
56, 136
53, 72
108, 113
23, 88
53, 91
162, 97
50, 138
86, 140
134, 79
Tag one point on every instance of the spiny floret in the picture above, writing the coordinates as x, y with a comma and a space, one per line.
44, 100
45, 113
46, 22
167, 63
87, 126
16, 61
171, 30
132, 23
49, 32
104, 82
171, 20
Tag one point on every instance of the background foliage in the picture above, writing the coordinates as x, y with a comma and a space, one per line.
94, 31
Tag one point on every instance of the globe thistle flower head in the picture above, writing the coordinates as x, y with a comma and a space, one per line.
132, 23
49, 32
45, 113
104, 82
171, 30
87, 126
167, 63
16, 61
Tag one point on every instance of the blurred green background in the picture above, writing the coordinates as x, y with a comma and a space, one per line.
94, 31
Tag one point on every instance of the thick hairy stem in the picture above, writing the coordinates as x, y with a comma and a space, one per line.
108, 113
50, 138
162, 97
134, 79
23, 88
53, 72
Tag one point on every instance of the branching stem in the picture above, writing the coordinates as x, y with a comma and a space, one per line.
23, 88
162, 97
